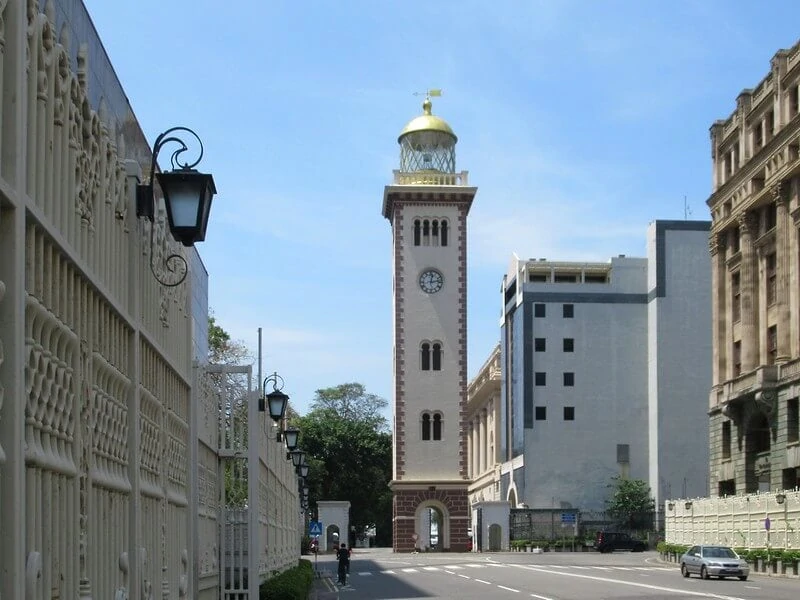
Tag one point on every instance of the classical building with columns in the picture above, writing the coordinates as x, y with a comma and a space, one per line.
599, 365
755, 210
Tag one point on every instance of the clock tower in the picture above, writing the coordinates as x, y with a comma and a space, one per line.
427, 206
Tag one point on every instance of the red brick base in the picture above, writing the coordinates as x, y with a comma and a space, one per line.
406, 502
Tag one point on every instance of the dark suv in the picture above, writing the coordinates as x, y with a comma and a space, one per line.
608, 541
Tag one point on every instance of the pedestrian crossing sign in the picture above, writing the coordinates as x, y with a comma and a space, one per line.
315, 528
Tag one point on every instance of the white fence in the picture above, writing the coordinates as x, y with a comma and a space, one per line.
111, 461
763, 520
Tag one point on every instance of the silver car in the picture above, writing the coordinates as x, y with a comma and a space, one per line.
717, 561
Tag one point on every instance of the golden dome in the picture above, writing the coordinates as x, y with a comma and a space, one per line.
427, 122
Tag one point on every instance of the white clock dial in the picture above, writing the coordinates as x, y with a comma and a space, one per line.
431, 281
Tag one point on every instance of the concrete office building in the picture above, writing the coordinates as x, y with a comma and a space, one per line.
755, 210
605, 368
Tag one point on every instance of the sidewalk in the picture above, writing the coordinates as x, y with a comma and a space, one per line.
323, 588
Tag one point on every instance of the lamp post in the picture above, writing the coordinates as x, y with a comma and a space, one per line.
187, 200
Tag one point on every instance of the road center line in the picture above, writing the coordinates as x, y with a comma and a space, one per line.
540, 597
630, 583
502, 587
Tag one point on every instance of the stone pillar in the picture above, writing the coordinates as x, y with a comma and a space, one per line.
476, 448
794, 270
783, 251
484, 440
719, 314
749, 285
471, 462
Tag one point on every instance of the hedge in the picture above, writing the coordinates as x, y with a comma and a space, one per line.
292, 584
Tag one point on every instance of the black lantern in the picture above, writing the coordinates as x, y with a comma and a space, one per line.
303, 469
187, 200
290, 436
297, 457
276, 400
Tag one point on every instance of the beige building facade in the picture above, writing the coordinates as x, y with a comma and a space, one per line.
755, 209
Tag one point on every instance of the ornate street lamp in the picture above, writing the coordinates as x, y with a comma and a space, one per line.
297, 457
303, 469
276, 400
290, 436
187, 200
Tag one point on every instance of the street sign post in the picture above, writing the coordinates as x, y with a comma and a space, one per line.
314, 528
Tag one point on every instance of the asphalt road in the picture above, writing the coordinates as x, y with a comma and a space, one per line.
379, 574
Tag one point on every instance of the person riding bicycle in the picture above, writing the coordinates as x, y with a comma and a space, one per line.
343, 556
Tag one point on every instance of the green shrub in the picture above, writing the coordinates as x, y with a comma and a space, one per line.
667, 548
292, 584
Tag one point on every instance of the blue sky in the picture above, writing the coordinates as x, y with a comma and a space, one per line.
579, 121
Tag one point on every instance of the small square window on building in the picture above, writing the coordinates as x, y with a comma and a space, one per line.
540, 378
538, 311
569, 413
569, 311
569, 379
539, 344
541, 413
569, 345
623, 453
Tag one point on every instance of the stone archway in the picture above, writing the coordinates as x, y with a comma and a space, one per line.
758, 446
495, 537
512, 497
432, 526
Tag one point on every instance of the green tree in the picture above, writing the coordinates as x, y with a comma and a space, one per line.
631, 503
349, 453
352, 402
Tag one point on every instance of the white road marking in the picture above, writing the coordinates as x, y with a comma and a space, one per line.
449, 572
502, 587
410, 570
540, 597
464, 576
482, 581
365, 573
630, 583
430, 568
454, 567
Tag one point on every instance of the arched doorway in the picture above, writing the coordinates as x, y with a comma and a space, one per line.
332, 537
495, 537
758, 444
432, 527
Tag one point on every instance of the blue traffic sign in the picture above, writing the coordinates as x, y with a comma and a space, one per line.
314, 528
569, 518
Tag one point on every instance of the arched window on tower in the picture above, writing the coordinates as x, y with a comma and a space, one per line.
425, 356
426, 426
434, 233
426, 233
444, 233
437, 426
417, 232
437, 356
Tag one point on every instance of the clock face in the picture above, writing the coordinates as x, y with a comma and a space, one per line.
431, 281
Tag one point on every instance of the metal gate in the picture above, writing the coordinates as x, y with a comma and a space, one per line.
232, 386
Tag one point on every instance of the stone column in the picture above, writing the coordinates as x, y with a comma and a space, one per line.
794, 271
783, 251
476, 453
749, 292
482, 449
471, 462
719, 314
